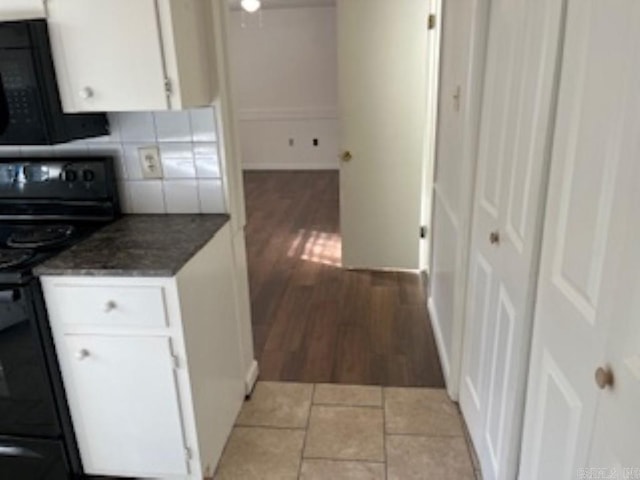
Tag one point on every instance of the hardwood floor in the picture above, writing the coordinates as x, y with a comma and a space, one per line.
314, 322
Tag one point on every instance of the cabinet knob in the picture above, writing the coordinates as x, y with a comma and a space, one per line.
110, 306
346, 156
86, 93
494, 238
604, 378
82, 354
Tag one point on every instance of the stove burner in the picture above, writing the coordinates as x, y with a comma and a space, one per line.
12, 258
41, 236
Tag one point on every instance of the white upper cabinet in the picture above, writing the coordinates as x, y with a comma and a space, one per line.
21, 9
126, 56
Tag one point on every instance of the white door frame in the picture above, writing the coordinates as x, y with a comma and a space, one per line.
471, 93
231, 165
428, 167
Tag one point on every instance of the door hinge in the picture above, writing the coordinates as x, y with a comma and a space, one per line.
431, 22
187, 453
167, 86
423, 232
176, 361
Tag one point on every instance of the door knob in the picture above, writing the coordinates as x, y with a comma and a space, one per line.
82, 354
494, 238
604, 378
346, 156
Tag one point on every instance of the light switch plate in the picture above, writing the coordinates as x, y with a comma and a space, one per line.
150, 162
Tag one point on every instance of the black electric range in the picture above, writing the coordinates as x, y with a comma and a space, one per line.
46, 206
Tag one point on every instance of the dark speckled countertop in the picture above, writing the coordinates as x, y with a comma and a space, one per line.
137, 246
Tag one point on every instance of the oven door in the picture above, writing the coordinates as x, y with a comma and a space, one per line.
27, 407
32, 459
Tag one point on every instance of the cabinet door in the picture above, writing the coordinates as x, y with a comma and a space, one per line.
108, 55
124, 402
21, 9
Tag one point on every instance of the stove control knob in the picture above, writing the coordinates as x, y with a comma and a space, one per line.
69, 176
88, 175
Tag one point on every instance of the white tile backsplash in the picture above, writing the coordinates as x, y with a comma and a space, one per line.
181, 196
190, 160
147, 197
211, 194
173, 126
177, 160
207, 161
135, 126
203, 125
131, 159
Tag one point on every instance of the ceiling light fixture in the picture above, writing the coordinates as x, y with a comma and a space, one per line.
250, 6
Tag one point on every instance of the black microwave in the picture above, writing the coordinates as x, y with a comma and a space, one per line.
30, 108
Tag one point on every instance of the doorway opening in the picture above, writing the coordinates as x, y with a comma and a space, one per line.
334, 300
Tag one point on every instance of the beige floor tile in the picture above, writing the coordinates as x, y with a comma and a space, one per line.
341, 470
412, 457
349, 433
275, 404
353, 395
261, 453
422, 411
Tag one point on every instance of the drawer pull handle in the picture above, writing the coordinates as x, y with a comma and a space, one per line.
109, 306
82, 354
86, 93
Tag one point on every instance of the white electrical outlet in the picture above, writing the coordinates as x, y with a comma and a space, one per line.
150, 162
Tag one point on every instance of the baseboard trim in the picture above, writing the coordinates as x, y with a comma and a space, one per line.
437, 333
251, 377
289, 166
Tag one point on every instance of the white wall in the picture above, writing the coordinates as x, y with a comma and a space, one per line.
188, 142
284, 69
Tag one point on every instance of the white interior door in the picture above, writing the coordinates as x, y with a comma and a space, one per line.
382, 51
588, 285
453, 182
616, 437
519, 87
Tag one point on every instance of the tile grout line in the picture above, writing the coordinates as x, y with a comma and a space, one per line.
346, 460
384, 434
306, 430
429, 435
349, 405
269, 427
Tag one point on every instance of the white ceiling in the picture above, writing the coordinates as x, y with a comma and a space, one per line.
235, 4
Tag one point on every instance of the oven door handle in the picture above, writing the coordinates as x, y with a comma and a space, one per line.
9, 296
13, 451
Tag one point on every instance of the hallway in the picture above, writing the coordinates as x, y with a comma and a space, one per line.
314, 322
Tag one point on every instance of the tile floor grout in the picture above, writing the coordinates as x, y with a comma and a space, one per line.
306, 432
384, 435
294, 404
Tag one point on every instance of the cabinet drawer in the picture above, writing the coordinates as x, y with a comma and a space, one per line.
110, 306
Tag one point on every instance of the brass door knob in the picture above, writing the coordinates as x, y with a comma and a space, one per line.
346, 156
604, 378
494, 238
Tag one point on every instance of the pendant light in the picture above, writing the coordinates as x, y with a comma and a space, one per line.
250, 6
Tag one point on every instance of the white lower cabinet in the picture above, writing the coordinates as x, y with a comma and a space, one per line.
152, 367
125, 404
